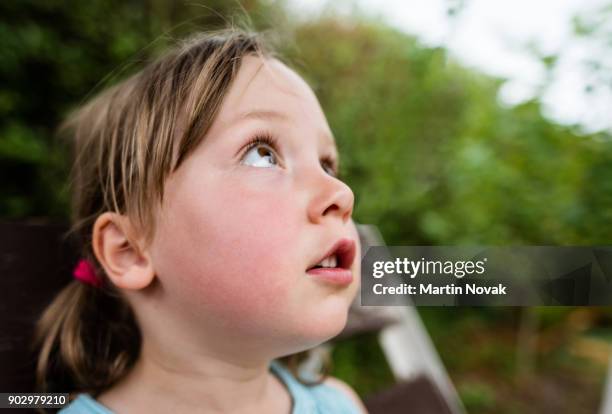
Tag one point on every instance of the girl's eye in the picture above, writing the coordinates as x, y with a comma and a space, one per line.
260, 155
329, 167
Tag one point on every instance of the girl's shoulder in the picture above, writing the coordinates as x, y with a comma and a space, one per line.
331, 396
84, 404
347, 391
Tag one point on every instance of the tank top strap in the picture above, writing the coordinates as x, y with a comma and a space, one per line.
302, 400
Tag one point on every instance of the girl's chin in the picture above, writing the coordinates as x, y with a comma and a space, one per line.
318, 330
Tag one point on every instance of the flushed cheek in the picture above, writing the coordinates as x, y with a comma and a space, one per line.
232, 258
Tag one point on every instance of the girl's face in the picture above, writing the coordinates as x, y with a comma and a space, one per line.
243, 221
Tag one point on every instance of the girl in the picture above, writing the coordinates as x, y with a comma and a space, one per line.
216, 239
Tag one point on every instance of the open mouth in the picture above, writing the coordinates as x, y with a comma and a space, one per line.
341, 255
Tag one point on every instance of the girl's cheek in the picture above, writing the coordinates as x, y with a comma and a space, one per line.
234, 252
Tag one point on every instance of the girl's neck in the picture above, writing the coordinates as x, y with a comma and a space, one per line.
197, 385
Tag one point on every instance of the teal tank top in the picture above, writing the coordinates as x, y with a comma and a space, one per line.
316, 399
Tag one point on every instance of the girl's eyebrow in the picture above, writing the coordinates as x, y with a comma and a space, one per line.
262, 114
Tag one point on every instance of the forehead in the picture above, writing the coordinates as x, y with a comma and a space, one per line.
269, 86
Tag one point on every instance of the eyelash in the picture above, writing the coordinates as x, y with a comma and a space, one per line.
264, 137
261, 138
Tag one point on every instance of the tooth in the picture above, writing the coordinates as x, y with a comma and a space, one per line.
330, 261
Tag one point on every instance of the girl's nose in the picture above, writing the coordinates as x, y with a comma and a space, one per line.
331, 197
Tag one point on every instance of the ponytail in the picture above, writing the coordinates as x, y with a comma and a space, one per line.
88, 340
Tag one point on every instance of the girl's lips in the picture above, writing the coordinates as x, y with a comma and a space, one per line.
333, 275
344, 249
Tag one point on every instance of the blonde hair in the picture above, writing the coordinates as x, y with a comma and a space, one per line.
127, 140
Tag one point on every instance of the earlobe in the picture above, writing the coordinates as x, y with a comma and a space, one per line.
127, 266
136, 278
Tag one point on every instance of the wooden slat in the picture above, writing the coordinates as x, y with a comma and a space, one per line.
419, 396
34, 265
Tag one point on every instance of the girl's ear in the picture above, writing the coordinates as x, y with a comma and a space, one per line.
125, 263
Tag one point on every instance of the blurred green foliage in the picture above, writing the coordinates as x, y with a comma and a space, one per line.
431, 155
478, 396
55, 54
434, 159
360, 362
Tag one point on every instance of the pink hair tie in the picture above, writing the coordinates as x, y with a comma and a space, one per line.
85, 272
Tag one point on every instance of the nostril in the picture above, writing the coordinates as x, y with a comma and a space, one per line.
330, 209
